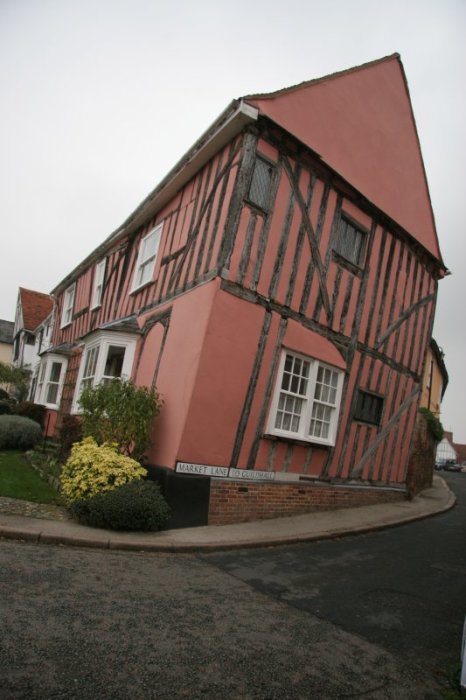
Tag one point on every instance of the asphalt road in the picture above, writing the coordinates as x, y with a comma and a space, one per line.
323, 621
403, 589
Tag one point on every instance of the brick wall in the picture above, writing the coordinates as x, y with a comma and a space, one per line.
422, 459
237, 502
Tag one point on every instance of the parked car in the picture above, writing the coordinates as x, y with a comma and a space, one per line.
448, 465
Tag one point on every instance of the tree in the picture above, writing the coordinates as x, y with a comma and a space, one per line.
121, 413
18, 377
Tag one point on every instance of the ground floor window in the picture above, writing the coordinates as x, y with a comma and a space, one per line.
106, 356
50, 379
306, 399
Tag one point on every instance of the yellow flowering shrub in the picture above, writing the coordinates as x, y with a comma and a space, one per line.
92, 469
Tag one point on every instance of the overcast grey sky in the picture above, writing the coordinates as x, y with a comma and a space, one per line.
100, 98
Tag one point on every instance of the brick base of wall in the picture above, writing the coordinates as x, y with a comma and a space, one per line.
237, 502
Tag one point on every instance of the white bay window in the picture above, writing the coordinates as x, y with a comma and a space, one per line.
306, 400
106, 356
50, 380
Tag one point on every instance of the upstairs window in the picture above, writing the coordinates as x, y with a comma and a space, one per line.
68, 304
350, 242
369, 408
259, 189
306, 400
147, 257
98, 288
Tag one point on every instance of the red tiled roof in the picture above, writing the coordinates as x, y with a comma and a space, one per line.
36, 306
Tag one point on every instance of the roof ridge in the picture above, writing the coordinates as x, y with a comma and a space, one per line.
329, 76
34, 291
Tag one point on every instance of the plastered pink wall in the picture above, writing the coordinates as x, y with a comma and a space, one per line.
224, 369
357, 121
178, 369
309, 343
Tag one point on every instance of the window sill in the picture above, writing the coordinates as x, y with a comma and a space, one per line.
96, 307
65, 325
141, 286
370, 423
257, 207
296, 440
352, 267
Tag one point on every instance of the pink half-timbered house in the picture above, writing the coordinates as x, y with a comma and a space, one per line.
278, 287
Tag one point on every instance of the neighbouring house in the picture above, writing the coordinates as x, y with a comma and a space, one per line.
43, 373
278, 287
435, 379
423, 444
460, 453
6, 341
446, 449
33, 313
6, 346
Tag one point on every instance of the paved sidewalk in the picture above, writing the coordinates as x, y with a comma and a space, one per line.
299, 528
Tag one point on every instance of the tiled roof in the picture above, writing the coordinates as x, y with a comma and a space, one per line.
6, 331
36, 306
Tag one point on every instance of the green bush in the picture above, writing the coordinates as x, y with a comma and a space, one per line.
31, 410
434, 425
4, 394
120, 412
5, 407
137, 505
17, 377
17, 432
92, 469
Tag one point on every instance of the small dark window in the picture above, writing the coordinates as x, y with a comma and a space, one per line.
350, 242
259, 190
368, 408
30, 339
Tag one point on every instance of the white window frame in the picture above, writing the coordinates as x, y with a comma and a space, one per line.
68, 305
98, 286
305, 399
44, 380
100, 342
145, 264
40, 380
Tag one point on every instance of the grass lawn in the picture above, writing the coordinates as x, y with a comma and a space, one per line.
19, 480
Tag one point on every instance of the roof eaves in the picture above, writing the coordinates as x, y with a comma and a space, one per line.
229, 123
